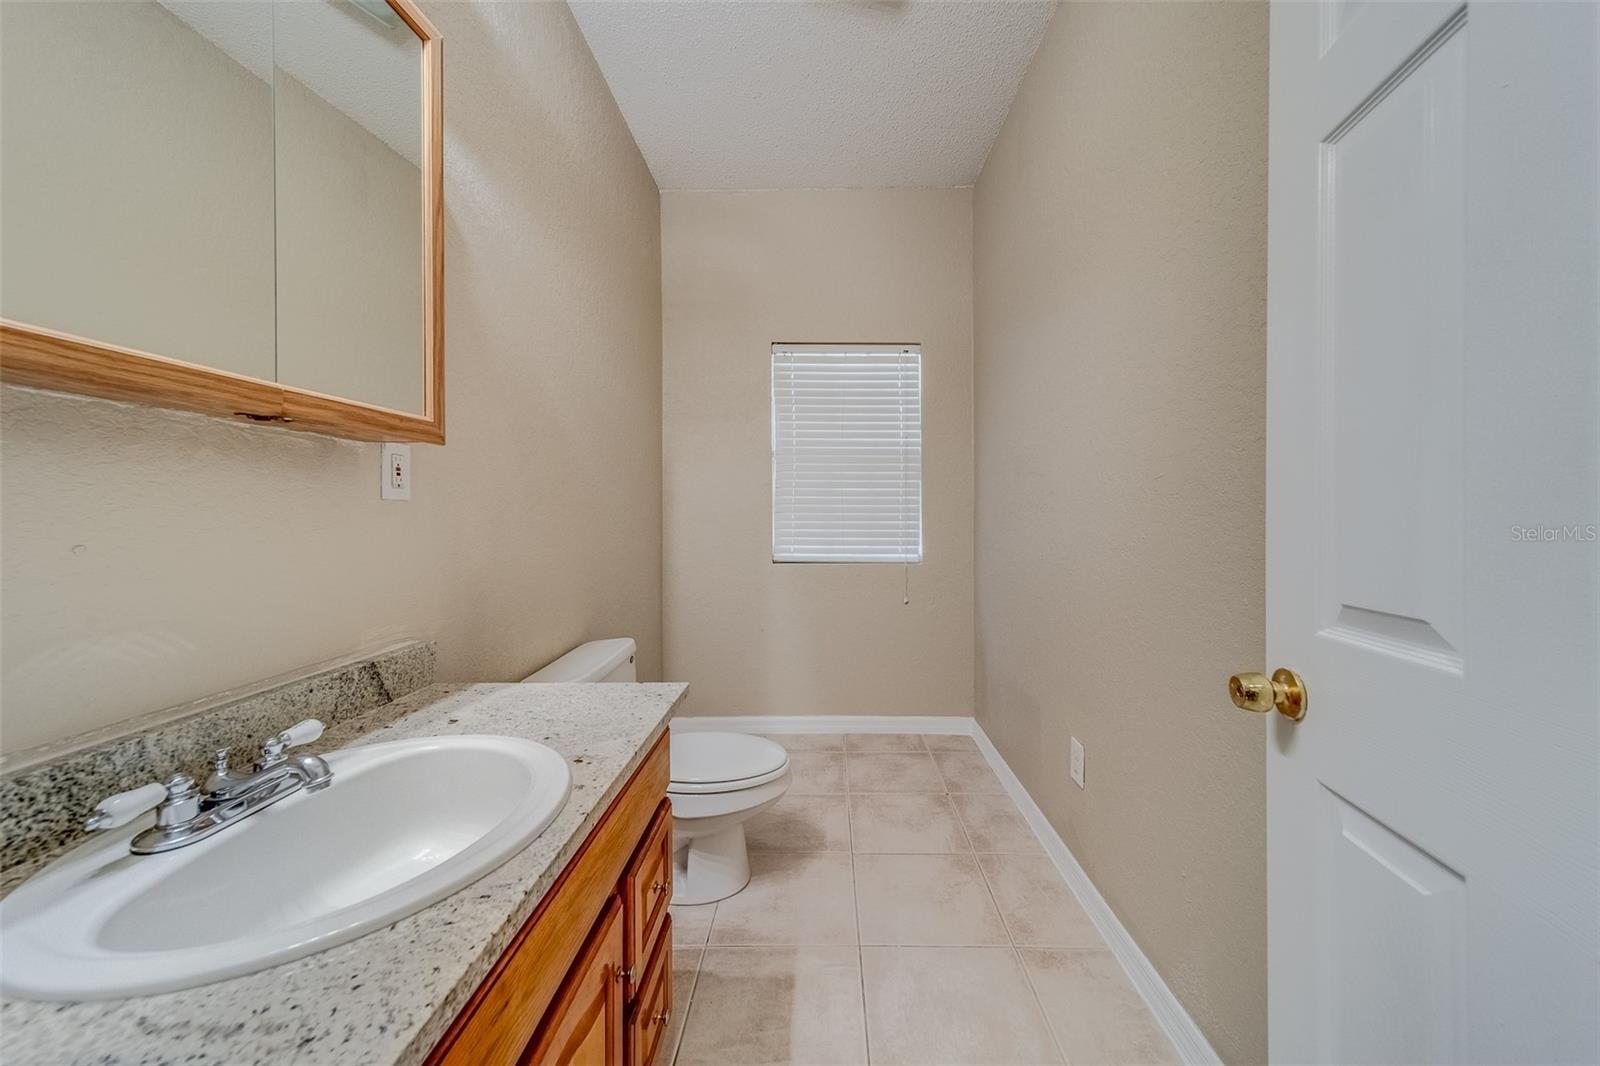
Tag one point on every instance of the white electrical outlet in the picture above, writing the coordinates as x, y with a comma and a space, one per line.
1077, 761
396, 480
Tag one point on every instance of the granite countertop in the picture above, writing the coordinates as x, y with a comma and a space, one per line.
388, 996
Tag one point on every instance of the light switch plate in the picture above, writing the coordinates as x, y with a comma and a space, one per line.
1077, 761
395, 483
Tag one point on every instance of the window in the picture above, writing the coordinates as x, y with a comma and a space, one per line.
846, 453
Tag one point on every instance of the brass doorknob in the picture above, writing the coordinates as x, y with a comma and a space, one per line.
1260, 693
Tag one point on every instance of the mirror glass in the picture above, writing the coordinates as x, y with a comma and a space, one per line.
233, 183
136, 179
348, 106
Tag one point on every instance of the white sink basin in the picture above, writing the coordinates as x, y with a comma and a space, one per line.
403, 824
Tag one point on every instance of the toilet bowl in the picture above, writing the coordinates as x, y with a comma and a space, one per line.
718, 781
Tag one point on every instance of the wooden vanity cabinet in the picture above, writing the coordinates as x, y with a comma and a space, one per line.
587, 979
647, 890
584, 1026
652, 1005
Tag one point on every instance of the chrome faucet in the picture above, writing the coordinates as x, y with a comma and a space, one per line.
186, 815
225, 783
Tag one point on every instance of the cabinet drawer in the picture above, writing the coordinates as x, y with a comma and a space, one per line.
647, 889
652, 1007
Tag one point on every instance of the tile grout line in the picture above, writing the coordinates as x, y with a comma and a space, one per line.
943, 780
855, 903
1171, 1018
848, 794
1011, 939
688, 1001
694, 982
1014, 806
1016, 954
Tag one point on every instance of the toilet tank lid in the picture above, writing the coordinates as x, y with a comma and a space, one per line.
588, 662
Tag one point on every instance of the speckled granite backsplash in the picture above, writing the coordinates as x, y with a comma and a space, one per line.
46, 792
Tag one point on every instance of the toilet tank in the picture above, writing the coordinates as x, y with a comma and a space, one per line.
598, 660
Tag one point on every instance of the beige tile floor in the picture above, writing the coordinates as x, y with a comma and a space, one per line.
899, 911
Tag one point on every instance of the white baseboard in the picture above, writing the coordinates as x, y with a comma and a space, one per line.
1186, 1037
826, 723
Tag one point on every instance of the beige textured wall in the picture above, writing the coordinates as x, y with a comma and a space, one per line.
152, 557
741, 270
1121, 286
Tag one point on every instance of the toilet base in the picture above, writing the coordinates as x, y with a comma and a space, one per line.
709, 867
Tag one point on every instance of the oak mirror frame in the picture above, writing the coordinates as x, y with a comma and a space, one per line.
48, 358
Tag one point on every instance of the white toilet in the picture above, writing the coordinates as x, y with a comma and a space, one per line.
719, 781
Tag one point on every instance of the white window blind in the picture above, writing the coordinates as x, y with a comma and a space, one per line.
846, 453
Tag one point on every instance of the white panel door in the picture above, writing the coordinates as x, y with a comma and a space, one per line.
1433, 571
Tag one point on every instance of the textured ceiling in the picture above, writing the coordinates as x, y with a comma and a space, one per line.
775, 94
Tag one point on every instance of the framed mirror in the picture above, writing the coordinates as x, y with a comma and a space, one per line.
226, 206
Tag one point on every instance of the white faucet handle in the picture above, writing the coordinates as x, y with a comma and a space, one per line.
301, 733
124, 807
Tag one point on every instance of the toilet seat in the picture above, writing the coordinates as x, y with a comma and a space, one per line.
704, 806
712, 763
718, 781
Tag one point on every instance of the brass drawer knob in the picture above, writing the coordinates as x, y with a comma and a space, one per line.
1259, 693
658, 886
661, 1018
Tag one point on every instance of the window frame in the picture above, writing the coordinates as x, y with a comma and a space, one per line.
778, 348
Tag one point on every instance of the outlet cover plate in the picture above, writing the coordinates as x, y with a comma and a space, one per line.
395, 482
